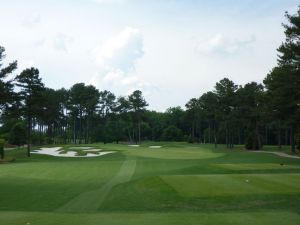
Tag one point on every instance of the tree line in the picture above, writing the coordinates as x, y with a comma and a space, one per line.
253, 114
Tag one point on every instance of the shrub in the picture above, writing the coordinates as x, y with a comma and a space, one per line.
4, 136
298, 141
8, 160
252, 142
2, 148
189, 139
17, 135
172, 133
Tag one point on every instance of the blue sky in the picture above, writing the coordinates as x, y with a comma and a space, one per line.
171, 50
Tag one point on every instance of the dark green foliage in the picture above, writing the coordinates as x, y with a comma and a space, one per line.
253, 142
2, 141
6, 87
250, 105
284, 80
172, 133
83, 101
298, 141
17, 134
137, 104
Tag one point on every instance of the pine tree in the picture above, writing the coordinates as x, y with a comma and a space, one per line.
31, 88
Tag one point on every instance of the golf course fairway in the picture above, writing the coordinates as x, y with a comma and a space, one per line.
177, 183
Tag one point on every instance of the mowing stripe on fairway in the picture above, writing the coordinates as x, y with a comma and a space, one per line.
90, 201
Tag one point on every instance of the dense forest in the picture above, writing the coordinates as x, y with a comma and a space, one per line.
253, 114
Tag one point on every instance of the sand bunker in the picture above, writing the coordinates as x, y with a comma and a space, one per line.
155, 146
55, 151
133, 145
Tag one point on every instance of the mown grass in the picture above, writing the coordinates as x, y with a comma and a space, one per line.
177, 184
157, 218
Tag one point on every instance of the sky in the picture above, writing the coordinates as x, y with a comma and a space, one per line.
171, 50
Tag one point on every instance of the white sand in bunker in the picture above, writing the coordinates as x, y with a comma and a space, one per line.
56, 151
155, 146
133, 145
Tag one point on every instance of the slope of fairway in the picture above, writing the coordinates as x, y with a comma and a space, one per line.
43, 185
90, 201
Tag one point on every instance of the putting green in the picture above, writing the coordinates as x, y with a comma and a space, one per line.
234, 184
174, 153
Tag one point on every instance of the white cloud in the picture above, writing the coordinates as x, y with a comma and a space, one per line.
219, 44
61, 42
131, 80
113, 76
40, 42
31, 20
116, 59
120, 51
121, 83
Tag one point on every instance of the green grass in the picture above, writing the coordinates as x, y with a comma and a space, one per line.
173, 153
233, 184
260, 166
179, 183
258, 218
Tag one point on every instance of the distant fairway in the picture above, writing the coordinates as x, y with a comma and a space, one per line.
176, 184
173, 153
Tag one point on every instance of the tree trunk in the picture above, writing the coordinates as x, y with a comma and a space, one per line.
139, 125
87, 130
80, 126
239, 135
292, 140
215, 136
74, 130
266, 136
279, 135
209, 135
226, 136
257, 136
130, 138
200, 133
193, 130
29, 134
286, 137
